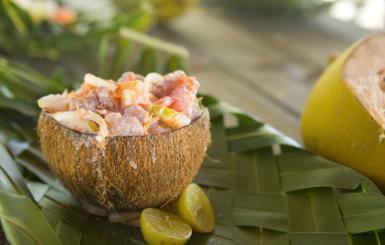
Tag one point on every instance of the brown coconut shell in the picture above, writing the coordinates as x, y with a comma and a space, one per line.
129, 172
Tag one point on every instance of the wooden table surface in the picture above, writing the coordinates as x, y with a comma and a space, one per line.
264, 66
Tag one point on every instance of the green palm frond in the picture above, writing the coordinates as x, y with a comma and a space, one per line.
47, 39
133, 50
12, 13
21, 86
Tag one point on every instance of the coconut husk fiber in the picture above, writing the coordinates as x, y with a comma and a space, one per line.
129, 172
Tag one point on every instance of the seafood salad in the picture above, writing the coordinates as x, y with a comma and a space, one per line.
133, 105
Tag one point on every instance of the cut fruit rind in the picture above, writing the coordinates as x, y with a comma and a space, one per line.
195, 208
159, 227
343, 124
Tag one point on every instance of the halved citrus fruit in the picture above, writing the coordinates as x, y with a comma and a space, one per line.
195, 208
159, 227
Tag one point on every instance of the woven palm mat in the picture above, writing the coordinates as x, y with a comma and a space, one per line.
264, 189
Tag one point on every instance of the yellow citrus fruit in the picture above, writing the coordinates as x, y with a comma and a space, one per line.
344, 117
195, 208
159, 227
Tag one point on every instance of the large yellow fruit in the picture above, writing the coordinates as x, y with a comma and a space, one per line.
344, 116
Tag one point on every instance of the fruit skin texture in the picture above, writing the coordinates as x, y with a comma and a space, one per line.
159, 227
195, 208
132, 172
335, 125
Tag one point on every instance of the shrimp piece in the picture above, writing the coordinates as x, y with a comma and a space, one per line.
97, 99
105, 99
88, 102
181, 89
175, 80
151, 81
165, 101
130, 93
99, 82
123, 126
130, 76
137, 111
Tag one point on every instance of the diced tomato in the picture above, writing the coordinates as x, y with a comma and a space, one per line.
177, 105
86, 89
165, 101
132, 85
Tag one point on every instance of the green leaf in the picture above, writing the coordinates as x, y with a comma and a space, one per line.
314, 210
25, 129
138, 20
103, 55
33, 160
154, 43
302, 170
10, 168
6, 132
218, 150
215, 177
362, 211
18, 106
23, 222
38, 190
251, 235
258, 172
15, 18
366, 238
247, 121
147, 62
34, 77
319, 238
255, 138
260, 210
208, 100
174, 63
120, 62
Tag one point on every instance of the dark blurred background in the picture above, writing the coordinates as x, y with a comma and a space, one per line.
263, 56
